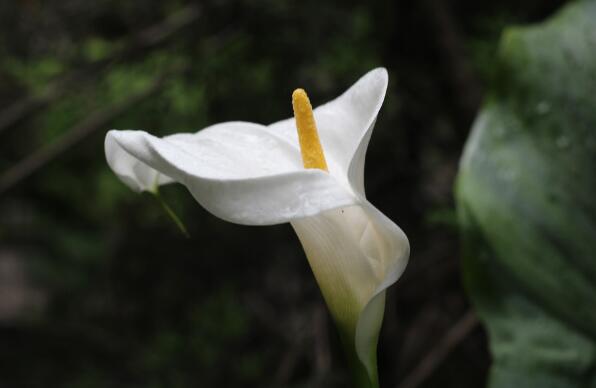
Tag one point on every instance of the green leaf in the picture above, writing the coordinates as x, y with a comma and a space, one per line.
526, 196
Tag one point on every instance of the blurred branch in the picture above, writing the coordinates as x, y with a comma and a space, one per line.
287, 364
438, 354
95, 121
268, 317
452, 48
322, 353
144, 39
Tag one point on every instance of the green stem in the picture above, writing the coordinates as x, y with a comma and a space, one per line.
360, 376
171, 213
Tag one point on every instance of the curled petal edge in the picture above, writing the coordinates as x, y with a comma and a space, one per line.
355, 254
131, 171
345, 125
264, 200
371, 317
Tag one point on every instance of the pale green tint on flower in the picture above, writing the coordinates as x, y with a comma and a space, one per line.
253, 174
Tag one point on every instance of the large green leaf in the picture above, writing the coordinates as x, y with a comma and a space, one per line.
526, 196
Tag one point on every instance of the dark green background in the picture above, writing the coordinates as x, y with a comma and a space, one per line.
99, 289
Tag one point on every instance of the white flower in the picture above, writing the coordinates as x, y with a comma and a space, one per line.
253, 174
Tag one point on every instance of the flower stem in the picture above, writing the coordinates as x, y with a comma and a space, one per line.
168, 210
360, 376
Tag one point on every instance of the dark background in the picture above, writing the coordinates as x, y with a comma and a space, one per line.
97, 286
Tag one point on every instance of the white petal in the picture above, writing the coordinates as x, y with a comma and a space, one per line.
134, 173
355, 253
345, 123
237, 171
356, 168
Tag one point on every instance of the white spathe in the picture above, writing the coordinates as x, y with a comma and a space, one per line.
252, 174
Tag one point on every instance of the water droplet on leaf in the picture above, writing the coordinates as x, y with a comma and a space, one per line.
543, 107
563, 142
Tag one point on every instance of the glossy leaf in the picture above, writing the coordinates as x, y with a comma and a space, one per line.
526, 194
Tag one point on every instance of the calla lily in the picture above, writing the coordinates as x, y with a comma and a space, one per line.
253, 174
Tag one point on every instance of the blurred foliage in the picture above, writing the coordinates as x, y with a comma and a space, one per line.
526, 194
115, 296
